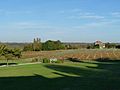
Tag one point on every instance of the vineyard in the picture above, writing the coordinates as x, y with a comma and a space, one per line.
82, 54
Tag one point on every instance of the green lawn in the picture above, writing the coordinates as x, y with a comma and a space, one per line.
67, 76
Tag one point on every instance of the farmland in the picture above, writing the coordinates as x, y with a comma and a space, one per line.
81, 54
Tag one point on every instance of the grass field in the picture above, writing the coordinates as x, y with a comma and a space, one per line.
90, 75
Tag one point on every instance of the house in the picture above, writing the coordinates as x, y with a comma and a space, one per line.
100, 44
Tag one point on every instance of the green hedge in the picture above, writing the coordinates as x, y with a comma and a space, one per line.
46, 60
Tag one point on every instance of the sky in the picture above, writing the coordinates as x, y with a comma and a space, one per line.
65, 20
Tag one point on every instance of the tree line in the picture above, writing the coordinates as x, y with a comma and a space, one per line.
37, 45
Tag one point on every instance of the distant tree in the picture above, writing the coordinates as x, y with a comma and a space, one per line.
110, 45
118, 46
88, 47
96, 46
35, 46
28, 47
49, 45
52, 45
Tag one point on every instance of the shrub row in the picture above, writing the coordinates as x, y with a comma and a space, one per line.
46, 60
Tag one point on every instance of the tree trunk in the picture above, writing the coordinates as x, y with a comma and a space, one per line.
7, 63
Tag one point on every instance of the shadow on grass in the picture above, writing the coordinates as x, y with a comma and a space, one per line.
89, 78
108, 65
106, 60
74, 59
1, 64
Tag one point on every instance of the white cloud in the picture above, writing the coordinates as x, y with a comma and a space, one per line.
115, 14
92, 17
70, 11
86, 17
27, 26
86, 13
30, 26
104, 25
80, 14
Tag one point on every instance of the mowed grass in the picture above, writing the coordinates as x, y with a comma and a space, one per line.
67, 76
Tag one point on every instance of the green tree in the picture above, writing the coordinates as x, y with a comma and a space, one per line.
28, 47
9, 53
110, 45
53, 45
2, 48
96, 46
35, 46
17, 53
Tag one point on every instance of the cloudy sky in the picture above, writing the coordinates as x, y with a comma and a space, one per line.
65, 20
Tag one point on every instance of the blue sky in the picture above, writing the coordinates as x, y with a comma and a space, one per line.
65, 20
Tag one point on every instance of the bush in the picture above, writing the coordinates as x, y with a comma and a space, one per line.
2, 58
35, 60
59, 61
46, 60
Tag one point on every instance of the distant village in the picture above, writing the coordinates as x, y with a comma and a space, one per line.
101, 45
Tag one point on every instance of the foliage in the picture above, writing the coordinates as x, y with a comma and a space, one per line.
35, 60
35, 46
110, 45
9, 53
69, 46
46, 60
60, 61
118, 46
96, 46
90, 46
2, 49
53, 45
28, 47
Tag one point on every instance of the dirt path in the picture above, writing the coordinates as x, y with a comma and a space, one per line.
20, 64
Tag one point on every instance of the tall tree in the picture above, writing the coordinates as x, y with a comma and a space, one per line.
37, 45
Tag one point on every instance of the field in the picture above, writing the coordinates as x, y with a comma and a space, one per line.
82, 54
90, 75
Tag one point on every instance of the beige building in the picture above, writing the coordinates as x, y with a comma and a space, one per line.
100, 44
